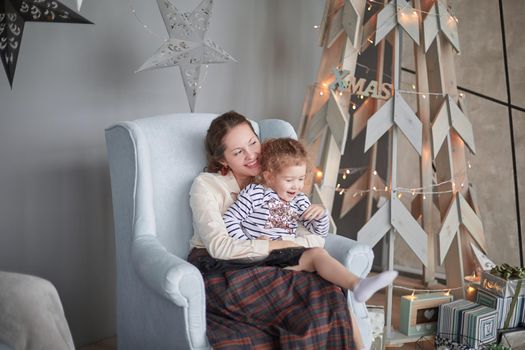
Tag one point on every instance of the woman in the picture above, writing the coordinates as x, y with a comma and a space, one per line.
261, 307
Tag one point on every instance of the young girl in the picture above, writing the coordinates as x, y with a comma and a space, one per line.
273, 209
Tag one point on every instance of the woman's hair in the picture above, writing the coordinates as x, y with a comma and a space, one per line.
277, 154
214, 144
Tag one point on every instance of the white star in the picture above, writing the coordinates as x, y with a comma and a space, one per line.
186, 46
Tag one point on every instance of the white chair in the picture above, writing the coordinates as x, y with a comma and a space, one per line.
160, 296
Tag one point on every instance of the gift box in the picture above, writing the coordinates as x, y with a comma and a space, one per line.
479, 326
467, 323
503, 308
501, 286
419, 313
450, 318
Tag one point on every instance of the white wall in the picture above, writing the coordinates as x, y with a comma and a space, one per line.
73, 80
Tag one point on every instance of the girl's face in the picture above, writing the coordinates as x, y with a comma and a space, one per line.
288, 182
242, 150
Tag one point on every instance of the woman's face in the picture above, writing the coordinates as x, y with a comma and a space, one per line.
242, 150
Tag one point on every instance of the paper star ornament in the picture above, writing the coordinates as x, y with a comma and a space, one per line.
187, 46
14, 14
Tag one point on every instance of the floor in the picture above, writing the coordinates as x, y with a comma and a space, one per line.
378, 299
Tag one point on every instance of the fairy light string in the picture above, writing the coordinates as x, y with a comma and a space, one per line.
458, 180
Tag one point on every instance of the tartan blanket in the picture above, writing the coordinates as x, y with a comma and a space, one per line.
269, 307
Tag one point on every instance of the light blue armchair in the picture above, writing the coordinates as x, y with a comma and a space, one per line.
160, 296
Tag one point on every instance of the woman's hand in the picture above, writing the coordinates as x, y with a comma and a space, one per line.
274, 245
314, 211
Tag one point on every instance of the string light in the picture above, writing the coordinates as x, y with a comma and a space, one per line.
316, 26
424, 190
144, 25
399, 10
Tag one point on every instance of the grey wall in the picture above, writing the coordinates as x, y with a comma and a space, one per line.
74, 80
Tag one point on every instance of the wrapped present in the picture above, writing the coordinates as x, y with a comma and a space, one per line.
479, 326
504, 280
509, 316
419, 313
450, 318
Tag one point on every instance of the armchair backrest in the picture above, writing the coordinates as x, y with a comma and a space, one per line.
153, 162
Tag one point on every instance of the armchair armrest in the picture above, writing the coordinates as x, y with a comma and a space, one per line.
175, 279
356, 257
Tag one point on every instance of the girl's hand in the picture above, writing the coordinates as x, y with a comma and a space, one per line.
263, 237
314, 211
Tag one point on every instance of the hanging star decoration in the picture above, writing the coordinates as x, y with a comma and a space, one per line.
14, 14
186, 46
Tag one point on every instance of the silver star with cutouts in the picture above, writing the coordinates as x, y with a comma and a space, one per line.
186, 46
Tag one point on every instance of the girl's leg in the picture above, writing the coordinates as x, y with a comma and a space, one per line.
318, 260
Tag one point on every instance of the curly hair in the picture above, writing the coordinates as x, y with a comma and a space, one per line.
277, 154
218, 129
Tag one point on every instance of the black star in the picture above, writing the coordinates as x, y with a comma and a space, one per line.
14, 14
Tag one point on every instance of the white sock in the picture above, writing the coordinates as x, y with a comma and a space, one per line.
369, 285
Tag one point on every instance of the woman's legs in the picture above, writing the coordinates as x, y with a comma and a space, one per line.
318, 260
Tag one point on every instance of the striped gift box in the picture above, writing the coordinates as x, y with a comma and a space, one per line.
502, 306
479, 326
450, 318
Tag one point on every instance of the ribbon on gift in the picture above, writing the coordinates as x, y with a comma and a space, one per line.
508, 272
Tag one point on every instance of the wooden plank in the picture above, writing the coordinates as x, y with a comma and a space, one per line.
316, 125
330, 58
440, 129
337, 118
461, 124
408, 19
386, 21
449, 229
379, 184
430, 26
330, 164
448, 26
426, 173
336, 27
407, 122
361, 115
350, 196
472, 222
409, 229
379, 123
369, 30
378, 225
352, 23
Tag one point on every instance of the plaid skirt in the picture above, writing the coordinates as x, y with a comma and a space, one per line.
267, 307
